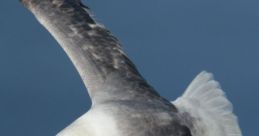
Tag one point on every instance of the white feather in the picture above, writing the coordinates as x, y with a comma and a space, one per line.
206, 102
93, 123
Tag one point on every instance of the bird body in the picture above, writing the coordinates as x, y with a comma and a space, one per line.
128, 118
123, 103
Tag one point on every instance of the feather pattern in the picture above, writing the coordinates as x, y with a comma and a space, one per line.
95, 52
207, 104
123, 102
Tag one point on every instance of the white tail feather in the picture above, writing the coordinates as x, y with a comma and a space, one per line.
205, 101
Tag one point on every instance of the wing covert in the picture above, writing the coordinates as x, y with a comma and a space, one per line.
97, 55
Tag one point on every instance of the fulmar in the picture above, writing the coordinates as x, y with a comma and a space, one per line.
123, 103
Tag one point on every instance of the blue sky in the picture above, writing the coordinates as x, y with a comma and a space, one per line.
170, 41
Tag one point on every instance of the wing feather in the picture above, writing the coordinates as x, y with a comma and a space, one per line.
207, 104
97, 55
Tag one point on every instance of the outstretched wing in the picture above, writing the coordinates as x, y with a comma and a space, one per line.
97, 55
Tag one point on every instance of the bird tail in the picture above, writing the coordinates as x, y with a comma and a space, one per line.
206, 103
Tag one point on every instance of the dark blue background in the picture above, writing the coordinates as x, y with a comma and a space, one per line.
169, 40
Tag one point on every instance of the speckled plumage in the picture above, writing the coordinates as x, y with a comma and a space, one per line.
90, 43
123, 102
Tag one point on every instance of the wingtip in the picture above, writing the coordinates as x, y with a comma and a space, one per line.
24, 2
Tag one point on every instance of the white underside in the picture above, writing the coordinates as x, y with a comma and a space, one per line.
93, 123
203, 100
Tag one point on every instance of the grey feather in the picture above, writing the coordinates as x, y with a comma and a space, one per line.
121, 97
96, 54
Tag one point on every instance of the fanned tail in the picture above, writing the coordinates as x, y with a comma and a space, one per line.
207, 104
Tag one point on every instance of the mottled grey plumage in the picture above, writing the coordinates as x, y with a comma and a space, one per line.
116, 88
95, 46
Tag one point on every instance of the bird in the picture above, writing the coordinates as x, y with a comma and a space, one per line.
123, 103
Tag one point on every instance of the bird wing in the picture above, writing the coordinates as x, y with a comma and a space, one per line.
104, 68
211, 112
